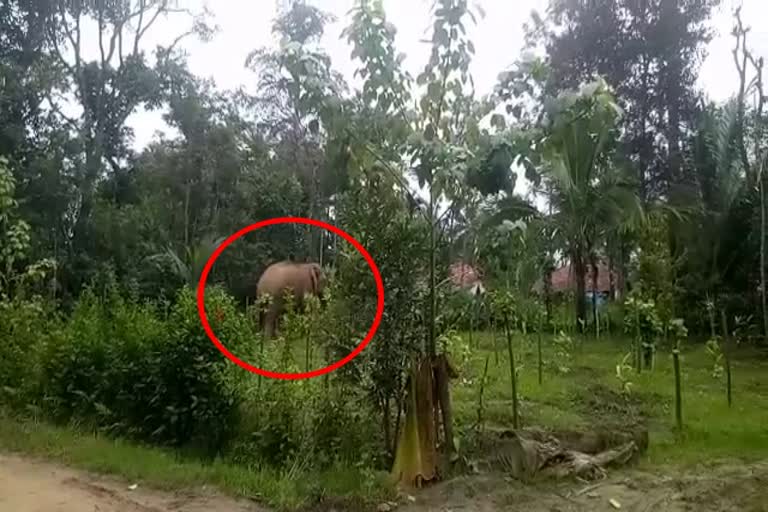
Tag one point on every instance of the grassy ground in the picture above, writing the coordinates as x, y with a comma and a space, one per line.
166, 470
588, 393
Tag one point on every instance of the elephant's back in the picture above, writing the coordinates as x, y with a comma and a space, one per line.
276, 275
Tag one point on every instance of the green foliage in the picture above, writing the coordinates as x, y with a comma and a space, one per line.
504, 302
643, 322
129, 356
14, 232
677, 329
716, 353
563, 345
378, 217
656, 271
122, 366
623, 369
618, 40
450, 342
385, 86
572, 148
642, 318
304, 424
27, 327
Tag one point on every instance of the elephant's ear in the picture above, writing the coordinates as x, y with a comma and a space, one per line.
314, 276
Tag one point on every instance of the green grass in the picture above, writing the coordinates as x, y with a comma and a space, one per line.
711, 429
162, 469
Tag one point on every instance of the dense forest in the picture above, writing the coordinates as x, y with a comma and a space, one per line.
648, 187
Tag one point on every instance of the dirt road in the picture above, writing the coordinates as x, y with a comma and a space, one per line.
33, 486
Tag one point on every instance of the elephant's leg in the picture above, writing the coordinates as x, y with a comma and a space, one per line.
269, 323
273, 317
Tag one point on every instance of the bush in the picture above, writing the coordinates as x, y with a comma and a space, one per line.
123, 367
343, 429
272, 430
25, 330
310, 422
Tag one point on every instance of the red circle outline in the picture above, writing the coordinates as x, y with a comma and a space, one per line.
280, 375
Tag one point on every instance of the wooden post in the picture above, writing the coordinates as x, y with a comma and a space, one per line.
678, 390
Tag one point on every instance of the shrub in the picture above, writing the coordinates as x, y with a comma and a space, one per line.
125, 368
271, 432
289, 423
343, 428
25, 330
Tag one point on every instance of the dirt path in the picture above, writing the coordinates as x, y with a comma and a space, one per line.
34, 486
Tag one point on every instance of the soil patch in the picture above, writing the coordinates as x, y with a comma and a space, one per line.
34, 486
723, 487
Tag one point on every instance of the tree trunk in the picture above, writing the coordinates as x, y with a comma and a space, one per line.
432, 299
548, 292
442, 378
594, 293
611, 278
621, 274
672, 78
764, 301
386, 419
579, 272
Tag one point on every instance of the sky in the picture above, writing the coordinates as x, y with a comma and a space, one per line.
498, 38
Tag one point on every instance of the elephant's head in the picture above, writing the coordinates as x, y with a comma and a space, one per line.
318, 281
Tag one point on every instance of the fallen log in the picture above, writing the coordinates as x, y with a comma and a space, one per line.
525, 454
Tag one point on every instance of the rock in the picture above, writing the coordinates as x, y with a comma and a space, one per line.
384, 507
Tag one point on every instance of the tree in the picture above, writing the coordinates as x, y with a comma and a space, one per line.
447, 124
649, 51
298, 99
575, 144
62, 159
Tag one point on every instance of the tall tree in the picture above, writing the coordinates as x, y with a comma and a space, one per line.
73, 153
649, 51
299, 95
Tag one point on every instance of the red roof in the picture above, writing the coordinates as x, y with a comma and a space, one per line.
563, 278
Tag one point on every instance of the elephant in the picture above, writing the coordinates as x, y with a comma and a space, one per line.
300, 279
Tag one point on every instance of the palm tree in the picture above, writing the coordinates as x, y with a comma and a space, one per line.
716, 158
589, 198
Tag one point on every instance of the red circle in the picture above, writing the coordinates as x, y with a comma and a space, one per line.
300, 375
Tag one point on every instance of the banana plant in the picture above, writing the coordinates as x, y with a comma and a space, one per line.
189, 265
